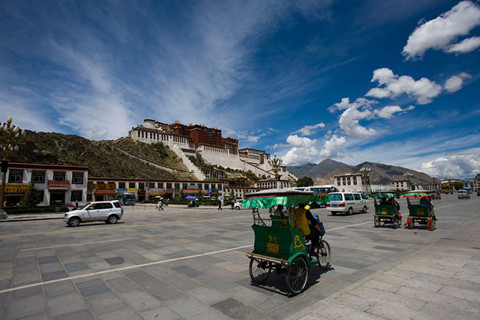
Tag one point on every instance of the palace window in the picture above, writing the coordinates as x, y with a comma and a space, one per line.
77, 177
15, 176
38, 176
59, 175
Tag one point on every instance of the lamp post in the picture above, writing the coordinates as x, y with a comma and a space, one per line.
10, 139
434, 182
365, 171
276, 163
408, 176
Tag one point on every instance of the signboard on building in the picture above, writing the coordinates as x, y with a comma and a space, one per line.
62, 184
16, 188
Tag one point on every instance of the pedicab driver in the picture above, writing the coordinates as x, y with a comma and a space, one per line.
302, 216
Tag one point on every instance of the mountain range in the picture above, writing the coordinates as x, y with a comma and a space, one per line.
381, 174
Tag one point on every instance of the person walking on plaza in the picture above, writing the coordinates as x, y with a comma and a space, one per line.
219, 204
166, 202
160, 204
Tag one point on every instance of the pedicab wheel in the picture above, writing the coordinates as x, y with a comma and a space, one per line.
376, 221
395, 222
259, 270
324, 255
297, 275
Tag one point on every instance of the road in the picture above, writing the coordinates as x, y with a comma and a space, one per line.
190, 263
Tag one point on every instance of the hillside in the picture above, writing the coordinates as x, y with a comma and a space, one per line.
382, 174
103, 158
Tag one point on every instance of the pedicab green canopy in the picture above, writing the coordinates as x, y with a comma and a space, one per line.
380, 195
419, 194
266, 199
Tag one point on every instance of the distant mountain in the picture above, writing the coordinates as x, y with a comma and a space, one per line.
301, 171
382, 174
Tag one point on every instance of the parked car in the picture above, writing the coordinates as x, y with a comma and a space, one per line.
238, 204
108, 211
347, 202
463, 194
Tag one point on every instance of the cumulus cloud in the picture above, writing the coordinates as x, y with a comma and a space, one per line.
455, 83
309, 130
332, 147
442, 33
392, 85
464, 164
465, 46
389, 111
349, 123
302, 150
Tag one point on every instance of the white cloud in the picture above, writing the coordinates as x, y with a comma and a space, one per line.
302, 150
389, 111
455, 83
465, 46
345, 104
332, 147
464, 164
309, 130
442, 32
349, 123
392, 86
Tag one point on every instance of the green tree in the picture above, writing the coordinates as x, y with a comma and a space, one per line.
304, 182
458, 185
32, 197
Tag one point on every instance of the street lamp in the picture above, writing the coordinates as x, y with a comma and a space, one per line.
276, 163
408, 176
365, 171
434, 182
10, 139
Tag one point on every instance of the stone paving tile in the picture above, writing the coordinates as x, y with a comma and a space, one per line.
115, 260
237, 310
352, 301
396, 312
381, 285
334, 311
25, 307
92, 287
206, 295
54, 275
444, 312
188, 271
461, 293
161, 313
123, 314
140, 300
27, 292
76, 266
105, 303
59, 288
385, 297
47, 259
65, 304
448, 300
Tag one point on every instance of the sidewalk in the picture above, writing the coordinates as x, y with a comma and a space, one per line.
59, 215
441, 281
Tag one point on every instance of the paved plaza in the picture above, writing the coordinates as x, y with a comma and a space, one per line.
190, 263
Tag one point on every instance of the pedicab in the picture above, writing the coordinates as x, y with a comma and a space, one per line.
278, 243
387, 210
420, 209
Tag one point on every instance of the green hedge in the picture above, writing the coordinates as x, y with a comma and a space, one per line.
46, 209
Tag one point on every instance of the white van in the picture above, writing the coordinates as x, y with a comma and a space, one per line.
347, 202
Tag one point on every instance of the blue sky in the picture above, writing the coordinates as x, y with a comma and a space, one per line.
394, 82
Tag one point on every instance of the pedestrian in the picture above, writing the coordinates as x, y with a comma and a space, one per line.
166, 202
219, 204
160, 204
76, 204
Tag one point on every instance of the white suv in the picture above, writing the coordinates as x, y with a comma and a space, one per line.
347, 202
108, 211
